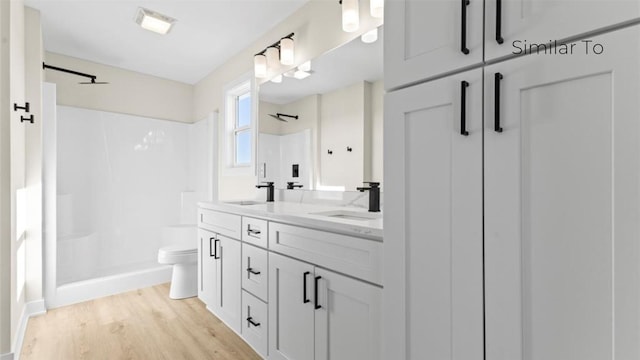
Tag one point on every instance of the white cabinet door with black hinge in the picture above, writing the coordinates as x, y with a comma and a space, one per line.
425, 38
432, 301
348, 318
229, 272
291, 309
513, 25
562, 204
207, 273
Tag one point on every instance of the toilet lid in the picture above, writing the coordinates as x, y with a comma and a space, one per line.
179, 249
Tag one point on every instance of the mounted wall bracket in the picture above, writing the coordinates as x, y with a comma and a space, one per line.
25, 107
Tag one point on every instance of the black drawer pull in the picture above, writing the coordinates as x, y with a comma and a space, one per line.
499, 38
315, 287
211, 247
304, 287
251, 322
215, 246
251, 231
496, 124
463, 108
253, 271
463, 31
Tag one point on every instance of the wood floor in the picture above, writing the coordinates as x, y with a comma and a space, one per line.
143, 324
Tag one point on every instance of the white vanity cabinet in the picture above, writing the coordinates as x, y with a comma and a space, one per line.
424, 38
319, 314
560, 191
220, 265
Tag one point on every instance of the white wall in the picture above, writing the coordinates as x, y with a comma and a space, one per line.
128, 92
317, 27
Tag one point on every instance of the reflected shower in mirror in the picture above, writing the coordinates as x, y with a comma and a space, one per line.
324, 131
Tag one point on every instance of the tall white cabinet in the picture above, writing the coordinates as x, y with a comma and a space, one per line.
521, 239
562, 205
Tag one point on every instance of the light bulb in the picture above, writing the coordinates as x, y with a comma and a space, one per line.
286, 51
370, 36
260, 65
350, 15
273, 57
377, 8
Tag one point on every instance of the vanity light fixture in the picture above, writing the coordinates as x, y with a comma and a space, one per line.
376, 8
286, 50
281, 50
273, 55
260, 65
370, 36
350, 15
154, 21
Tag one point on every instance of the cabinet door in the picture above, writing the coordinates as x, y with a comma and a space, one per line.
291, 332
542, 21
207, 273
348, 320
228, 296
423, 38
433, 221
562, 205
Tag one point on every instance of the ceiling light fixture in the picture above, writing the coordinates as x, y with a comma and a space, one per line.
305, 66
299, 74
350, 15
370, 36
376, 8
154, 21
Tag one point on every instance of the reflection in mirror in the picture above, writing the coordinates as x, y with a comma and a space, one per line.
325, 131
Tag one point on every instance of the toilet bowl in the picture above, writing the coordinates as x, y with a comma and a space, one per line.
183, 256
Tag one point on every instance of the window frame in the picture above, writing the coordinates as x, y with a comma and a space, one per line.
232, 93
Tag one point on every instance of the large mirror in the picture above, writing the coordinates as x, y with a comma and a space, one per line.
324, 131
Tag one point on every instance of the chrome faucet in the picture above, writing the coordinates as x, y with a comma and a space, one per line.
374, 195
270, 189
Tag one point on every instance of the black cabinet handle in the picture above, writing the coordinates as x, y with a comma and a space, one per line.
499, 38
463, 108
253, 271
304, 288
496, 125
211, 247
215, 246
315, 290
253, 231
463, 31
251, 322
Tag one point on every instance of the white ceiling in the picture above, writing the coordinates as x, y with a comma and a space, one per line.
338, 68
207, 32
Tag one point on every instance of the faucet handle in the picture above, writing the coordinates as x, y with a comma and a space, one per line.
269, 183
373, 184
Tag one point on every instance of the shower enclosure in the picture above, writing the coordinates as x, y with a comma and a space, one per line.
121, 183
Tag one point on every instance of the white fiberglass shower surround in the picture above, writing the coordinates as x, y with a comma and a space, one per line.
116, 187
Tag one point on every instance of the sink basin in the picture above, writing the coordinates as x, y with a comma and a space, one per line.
350, 215
245, 202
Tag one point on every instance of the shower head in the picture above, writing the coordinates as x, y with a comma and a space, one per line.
279, 116
68, 71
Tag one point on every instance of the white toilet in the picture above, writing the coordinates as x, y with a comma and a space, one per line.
181, 252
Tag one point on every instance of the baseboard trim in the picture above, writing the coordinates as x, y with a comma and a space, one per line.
30, 309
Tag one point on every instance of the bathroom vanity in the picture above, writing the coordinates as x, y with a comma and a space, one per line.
294, 280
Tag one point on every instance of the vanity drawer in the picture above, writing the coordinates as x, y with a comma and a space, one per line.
358, 257
254, 323
221, 223
254, 231
255, 270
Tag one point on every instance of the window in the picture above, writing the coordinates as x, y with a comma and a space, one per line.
240, 110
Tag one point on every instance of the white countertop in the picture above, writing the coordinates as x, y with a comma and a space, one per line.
304, 214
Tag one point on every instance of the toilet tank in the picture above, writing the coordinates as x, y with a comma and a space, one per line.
183, 235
